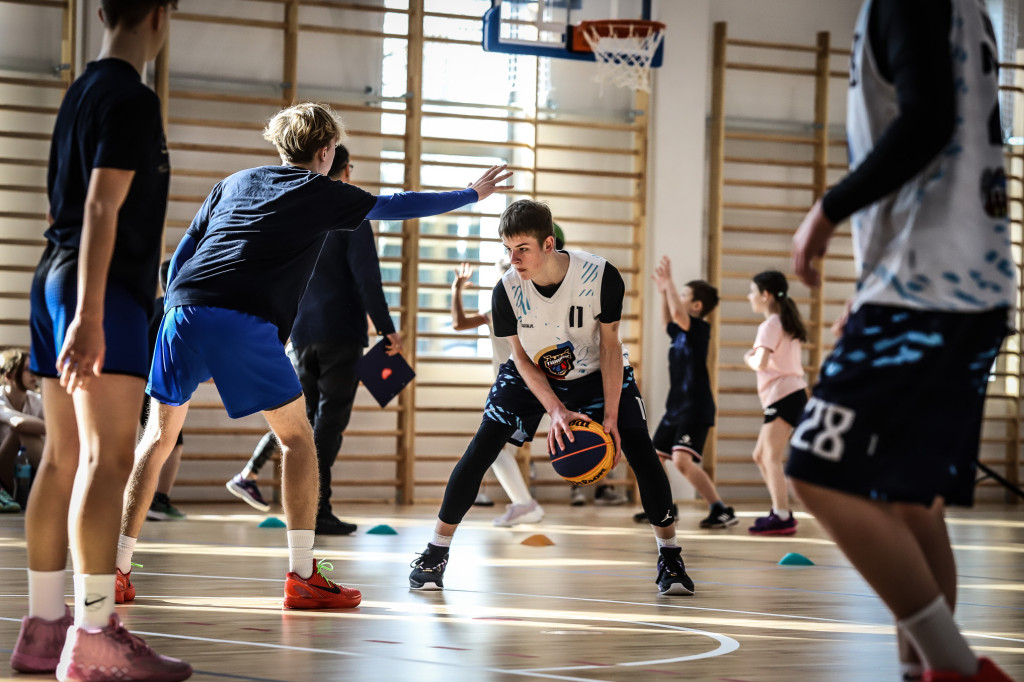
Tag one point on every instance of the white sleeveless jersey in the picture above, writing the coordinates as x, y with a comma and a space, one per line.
562, 334
941, 241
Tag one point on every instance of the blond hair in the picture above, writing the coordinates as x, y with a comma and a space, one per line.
12, 361
301, 130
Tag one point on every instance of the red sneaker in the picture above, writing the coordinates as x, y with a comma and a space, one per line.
123, 588
317, 592
987, 672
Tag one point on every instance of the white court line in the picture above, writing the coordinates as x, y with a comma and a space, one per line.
765, 614
723, 648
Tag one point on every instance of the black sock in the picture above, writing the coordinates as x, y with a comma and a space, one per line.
718, 506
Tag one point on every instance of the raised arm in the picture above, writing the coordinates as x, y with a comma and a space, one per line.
672, 309
461, 321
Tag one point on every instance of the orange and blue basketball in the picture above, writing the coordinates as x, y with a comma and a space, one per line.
588, 458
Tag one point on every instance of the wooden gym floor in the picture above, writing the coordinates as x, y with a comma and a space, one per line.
584, 608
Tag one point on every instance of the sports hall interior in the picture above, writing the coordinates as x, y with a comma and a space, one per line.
743, 128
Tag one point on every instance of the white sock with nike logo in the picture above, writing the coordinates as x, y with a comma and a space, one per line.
94, 599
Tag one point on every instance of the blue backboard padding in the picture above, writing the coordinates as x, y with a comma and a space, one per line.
492, 43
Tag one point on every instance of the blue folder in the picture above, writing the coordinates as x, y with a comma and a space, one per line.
384, 375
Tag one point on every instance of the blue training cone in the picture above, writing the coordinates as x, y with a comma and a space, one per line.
272, 522
794, 559
382, 529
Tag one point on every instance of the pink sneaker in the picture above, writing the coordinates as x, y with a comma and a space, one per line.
113, 653
40, 643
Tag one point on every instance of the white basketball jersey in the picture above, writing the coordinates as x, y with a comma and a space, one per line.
941, 241
562, 334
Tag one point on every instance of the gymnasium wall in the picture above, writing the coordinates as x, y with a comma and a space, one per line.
246, 59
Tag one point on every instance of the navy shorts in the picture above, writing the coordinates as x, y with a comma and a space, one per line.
54, 299
682, 434
788, 409
241, 352
511, 402
896, 414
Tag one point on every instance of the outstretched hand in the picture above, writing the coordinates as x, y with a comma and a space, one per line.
662, 273
487, 184
810, 242
463, 273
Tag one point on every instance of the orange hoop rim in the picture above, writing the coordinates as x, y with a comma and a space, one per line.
620, 28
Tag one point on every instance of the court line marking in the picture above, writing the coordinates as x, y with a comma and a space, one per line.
544, 673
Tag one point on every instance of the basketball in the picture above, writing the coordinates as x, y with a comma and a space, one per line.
588, 458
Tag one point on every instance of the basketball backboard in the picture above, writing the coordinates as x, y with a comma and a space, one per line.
541, 27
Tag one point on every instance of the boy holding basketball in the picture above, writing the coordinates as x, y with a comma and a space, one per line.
560, 310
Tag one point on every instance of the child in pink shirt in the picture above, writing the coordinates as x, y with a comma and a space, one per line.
778, 360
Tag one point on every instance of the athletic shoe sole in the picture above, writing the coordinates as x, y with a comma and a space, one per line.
240, 494
531, 517
784, 531
719, 525
676, 589
312, 604
427, 587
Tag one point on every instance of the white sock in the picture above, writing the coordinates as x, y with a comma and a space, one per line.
125, 550
442, 540
46, 594
783, 514
938, 641
911, 671
666, 542
94, 599
506, 469
300, 552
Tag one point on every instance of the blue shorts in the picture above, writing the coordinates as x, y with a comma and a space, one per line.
511, 402
241, 352
54, 299
896, 414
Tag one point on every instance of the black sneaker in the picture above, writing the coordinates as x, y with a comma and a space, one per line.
720, 518
331, 525
672, 578
428, 569
641, 517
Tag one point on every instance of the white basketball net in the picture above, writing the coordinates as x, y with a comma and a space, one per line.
625, 60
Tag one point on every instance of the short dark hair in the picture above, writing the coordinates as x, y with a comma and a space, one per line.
130, 13
528, 218
340, 162
706, 294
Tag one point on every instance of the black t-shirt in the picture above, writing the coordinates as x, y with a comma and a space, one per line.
689, 392
109, 119
258, 236
909, 40
344, 288
613, 290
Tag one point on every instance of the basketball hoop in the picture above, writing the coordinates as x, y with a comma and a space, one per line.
623, 49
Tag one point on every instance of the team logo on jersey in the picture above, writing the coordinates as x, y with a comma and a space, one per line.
557, 361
